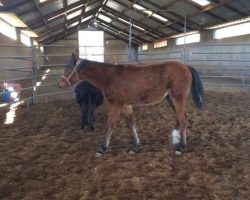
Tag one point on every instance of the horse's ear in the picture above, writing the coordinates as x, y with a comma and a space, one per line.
77, 54
74, 58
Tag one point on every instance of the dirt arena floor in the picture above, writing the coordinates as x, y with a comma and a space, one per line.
45, 155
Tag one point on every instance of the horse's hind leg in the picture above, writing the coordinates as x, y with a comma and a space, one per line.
179, 133
114, 113
128, 112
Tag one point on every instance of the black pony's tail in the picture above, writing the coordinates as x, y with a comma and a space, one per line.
197, 89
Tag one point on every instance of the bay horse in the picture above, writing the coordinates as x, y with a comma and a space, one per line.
125, 85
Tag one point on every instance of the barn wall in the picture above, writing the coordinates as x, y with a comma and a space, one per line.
226, 57
60, 51
17, 50
115, 50
234, 48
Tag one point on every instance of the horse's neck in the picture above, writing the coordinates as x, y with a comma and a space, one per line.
98, 74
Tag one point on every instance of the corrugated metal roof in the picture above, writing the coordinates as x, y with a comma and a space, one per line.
49, 19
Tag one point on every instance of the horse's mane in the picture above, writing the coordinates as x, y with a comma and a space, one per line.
85, 62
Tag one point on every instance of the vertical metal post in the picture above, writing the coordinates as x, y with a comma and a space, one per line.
138, 54
18, 35
34, 71
184, 47
243, 78
129, 42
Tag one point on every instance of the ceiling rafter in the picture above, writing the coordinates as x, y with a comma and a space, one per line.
171, 21
41, 15
166, 24
208, 12
147, 28
239, 12
9, 7
38, 22
121, 30
210, 7
118, 14
61, 35
123, 38
71, 21
65, 5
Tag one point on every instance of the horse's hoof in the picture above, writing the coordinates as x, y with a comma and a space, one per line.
131, 152
97, 154
134, 150
178, 153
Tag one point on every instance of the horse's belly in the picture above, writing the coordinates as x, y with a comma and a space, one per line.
150, 98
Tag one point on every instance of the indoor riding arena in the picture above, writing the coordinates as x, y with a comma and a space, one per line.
45, 153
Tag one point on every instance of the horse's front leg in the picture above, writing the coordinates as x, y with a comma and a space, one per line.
114, 113
128, 112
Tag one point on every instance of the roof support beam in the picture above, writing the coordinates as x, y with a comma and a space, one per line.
121, 30
208, 12
61, 35
37, 23
44, 21
160, 34
71, 21
12, 6
118, 36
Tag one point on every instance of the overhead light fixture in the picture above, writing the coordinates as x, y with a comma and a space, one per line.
42, 1
86, 18
75, 8
105, 18
1, 4
56, 16
150, 13
12, 19
104, 2
74, 14
202, 2
29, 33
127, 22
65, 13
73, 24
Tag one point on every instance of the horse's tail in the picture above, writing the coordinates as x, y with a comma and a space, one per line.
197, 88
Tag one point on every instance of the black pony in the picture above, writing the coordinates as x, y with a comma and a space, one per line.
88, 97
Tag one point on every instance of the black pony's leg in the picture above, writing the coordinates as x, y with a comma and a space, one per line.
83, 113
92, 115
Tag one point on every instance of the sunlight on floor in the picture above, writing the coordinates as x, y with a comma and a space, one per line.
10, 116
3, 105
